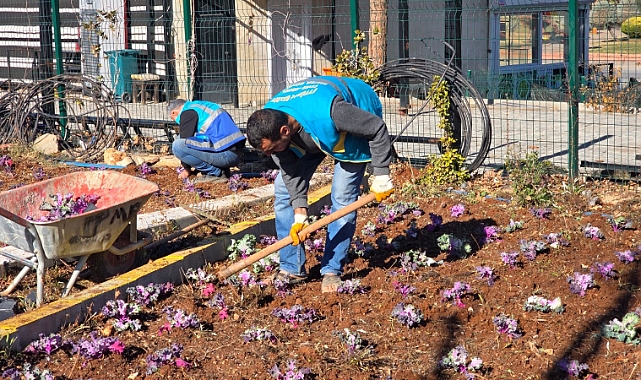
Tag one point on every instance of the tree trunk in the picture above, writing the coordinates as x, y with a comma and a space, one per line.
378, 34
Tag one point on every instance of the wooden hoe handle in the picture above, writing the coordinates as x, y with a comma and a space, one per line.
247, 261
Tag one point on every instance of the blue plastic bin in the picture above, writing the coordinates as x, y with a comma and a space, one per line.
122, 63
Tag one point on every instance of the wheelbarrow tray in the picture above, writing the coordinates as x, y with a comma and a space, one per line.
121, 197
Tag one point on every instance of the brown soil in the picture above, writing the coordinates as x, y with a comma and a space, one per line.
216, 349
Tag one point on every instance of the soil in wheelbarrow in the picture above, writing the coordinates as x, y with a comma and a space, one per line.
360, 336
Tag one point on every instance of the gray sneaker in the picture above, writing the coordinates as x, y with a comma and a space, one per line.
206, 178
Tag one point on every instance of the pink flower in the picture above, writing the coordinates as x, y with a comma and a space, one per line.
208, 290
165, 327
222, 314
182, 364
117, 347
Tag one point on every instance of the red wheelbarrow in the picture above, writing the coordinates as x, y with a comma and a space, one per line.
121, 197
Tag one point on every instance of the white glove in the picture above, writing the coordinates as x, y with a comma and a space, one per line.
382, 187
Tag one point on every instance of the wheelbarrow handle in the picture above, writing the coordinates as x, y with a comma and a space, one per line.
247, 261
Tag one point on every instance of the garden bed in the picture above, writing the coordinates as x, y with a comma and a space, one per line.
455, 305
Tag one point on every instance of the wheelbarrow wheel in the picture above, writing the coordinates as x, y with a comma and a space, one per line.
104, 265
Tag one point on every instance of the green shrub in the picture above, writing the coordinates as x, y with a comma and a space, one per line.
530, 177
632, 27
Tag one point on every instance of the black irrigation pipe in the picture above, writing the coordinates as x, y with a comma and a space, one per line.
24, 114
461, 91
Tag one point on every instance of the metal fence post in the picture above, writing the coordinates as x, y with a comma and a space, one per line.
62, 108
354, 16
573, 90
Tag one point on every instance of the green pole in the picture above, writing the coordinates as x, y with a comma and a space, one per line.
353, 10
187, 14
60, 92
573, 75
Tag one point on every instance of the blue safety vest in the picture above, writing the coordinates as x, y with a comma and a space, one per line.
310, 101
216, 129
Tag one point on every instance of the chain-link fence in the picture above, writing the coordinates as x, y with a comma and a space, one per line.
506, 62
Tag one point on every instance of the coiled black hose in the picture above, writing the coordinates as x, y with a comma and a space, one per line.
461, 91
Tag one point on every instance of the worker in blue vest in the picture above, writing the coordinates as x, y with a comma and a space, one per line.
299, 127
210, 143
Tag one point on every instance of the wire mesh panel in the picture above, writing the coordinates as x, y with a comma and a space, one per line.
505, 63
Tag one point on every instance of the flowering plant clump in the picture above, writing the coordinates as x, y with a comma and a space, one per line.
593, 232
361, 249
531, 248
268, 239
412, 231
353, 342
407, 315
291, 372
236, 183
556, 240
145, 169
507, 326
369, 229
458, 291
326, 210
28, 372
96, 347
510, 258
266, 264
579, 283
544, 305
247, 279
573, 367
46, 344
606, 270
412, 259
122, 313
218, 301
146, 295
66, 206
296, 315
282, 286
540, 213
258, 334
316, 245
490, 234
457, 210
457, 359
389, 214
405, 290
624, 331
242, 248
619, 224
39, 174
513, 226
626, 256
179, 318
486, 273
6, 163
200, 276
270, 175
165, 356
436, 221
351, 287
454, 245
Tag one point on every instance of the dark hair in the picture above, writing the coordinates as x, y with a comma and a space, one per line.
265, 124
175, 104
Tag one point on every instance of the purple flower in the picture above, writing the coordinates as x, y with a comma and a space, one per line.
46, 344
236, 183
619, 224
530, 248
412, 231
7, 163
39, 174
179, 318
573, 367
513, 226
556, 240
626, 256
506, 325
258, 334
579, 283
510, 258
268, 239
369, 229
485, 272
540, 213
593, 232
457, 210
436, 220
327, 209
146, 295
66, 206
353, 342
296, 315
270, 175
145, 169
491, 233
544, 305
458, 291
165, 356
316, 245
96, 347
351, 287
457, 359
405, 290
606, 270
291, 372
407, 315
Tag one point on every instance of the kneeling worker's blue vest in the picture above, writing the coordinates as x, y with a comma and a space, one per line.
310, 101
216, 129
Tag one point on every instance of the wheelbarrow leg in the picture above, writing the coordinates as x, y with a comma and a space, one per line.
74, 276
40, 280
19, 278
